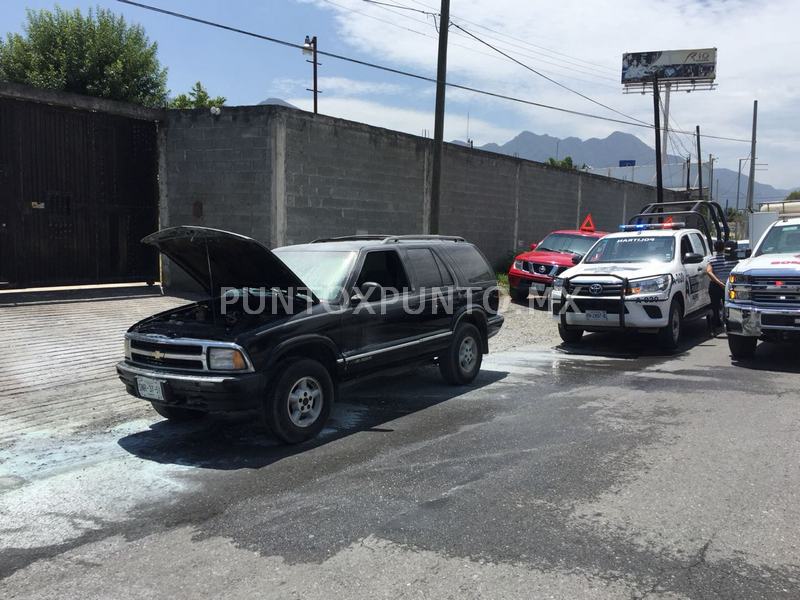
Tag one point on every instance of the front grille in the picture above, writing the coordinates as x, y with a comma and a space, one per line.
772, 280
772, 297
171, 348
780, 320
775, 290
173, 356
537, 268
584, 288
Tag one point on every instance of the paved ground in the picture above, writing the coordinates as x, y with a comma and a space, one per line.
611, 472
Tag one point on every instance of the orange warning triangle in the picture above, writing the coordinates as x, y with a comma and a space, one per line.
588, 223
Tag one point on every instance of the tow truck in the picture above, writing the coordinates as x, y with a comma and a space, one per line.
762, 295
650, 277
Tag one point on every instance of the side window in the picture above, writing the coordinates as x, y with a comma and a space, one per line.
425, 268
470, 262
698, 244
447, 279
384, 268
686, 246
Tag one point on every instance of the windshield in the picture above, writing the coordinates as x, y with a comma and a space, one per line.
633, 249
323, 272
784, 239
570, 244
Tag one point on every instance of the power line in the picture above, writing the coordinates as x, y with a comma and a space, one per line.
405, 73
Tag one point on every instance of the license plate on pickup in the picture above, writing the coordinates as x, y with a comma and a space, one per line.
595, 315
152, 389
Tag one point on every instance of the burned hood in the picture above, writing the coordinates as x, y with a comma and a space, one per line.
221, 259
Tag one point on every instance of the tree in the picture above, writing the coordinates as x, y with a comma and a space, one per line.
196, 98
795, 195
564, 163
97, 54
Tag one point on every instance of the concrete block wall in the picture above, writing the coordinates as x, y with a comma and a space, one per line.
284, 176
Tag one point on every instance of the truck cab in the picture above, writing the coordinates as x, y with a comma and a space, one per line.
762, 295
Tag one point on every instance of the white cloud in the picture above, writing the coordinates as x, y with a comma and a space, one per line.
342, 86
580, 43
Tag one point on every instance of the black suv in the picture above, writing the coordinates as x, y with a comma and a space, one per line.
282, 328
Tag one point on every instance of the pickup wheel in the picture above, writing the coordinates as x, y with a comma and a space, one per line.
570, 335
670, 336
299, 400
176, 413
460, 363
742, 346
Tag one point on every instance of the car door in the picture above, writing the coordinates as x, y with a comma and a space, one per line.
699, 246
375, 327
695, 274
431, 297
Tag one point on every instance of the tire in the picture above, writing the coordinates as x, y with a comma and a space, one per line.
570, 335
176, 414
461, 362
742, 346
299, 400
519, 294
670, 336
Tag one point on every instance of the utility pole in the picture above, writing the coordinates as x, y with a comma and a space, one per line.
666, 122
751, 183
438, 128
657, 122
688, 174
738, 183
699, 164
711, 176
310, 47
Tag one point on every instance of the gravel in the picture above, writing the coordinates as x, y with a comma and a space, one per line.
524, 326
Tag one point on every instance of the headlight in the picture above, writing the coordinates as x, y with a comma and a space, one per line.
518, 265
225, 359
739, 293
558, 283
739, 278
127, 347
651, 285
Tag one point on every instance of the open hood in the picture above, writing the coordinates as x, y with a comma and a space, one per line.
219, 259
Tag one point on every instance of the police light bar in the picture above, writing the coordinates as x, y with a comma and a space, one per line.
651, 226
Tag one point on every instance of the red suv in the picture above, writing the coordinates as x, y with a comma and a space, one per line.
547, 259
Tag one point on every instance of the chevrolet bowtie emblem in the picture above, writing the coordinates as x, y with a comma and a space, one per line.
158, 355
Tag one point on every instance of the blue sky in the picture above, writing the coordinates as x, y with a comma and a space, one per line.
577, 42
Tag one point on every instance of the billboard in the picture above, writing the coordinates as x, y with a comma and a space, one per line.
670, 66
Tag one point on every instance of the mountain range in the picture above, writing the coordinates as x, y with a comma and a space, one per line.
602, 156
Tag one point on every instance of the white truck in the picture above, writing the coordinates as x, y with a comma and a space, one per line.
762, 295
649, 277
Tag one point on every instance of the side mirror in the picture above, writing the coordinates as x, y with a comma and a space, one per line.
692, 258
576, 258
534, 245
748, 253
368, 291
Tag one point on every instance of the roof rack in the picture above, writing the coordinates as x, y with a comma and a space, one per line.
353, 238
696, 212
389, 239
410, 238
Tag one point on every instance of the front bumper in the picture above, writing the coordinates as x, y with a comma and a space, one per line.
644, 312
210, 393
755, 321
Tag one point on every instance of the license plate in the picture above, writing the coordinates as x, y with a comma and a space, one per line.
152, 389
595, 315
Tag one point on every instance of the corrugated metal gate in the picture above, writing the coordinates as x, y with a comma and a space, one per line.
78, 190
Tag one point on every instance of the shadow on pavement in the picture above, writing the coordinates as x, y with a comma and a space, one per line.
618, 344
771, 356
227, 443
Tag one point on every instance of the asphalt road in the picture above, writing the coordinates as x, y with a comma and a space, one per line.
604, 472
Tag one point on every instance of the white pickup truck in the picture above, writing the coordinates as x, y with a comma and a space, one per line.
762, 295
648, 278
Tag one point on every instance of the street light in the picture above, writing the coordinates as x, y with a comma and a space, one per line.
310, 49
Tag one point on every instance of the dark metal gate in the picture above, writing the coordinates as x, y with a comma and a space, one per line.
78, 190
